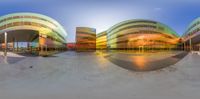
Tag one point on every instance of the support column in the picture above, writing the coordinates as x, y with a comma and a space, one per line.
190, 44
5, 42
184, 47
31, 48
46, 49
28, 46
199, 47
17, 45
13, 44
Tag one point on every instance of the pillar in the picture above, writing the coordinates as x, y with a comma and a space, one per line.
190, 44
5, 42
13, 44
184, 46
17, 46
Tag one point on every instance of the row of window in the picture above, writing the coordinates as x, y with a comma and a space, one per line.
101, 35
141, 32
99, 41
31, 17
139, 21
101, 38
134, 26
92, 34
86, 43
156, 41
195, 24
193, 32
103, 42
86, 38
29, 24
51, 38
101, 46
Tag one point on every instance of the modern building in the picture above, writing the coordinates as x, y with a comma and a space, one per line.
101, 41
31, 32
141, 35
85, 39
191, 38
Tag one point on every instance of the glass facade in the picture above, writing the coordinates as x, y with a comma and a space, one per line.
141, 35
85, 39
191, 38
101, 41
49, 35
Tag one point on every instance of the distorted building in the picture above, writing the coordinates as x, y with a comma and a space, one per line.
191, 38
32, 33
85, 39
101, 41
141, 35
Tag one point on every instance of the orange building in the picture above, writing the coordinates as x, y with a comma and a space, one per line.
85, 39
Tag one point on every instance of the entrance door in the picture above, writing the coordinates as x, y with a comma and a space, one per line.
141, 48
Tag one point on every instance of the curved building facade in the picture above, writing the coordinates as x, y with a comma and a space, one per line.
191, 38
141, 35
101, 41
40, 33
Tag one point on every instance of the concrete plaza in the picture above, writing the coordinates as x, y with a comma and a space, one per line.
71, 75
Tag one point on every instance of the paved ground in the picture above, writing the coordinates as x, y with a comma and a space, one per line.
146, 61
72, 75
11, 58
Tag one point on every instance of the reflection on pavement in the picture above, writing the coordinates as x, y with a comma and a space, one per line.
145, 61
140, 61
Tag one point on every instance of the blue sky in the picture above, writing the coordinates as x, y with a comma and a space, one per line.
102, 14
